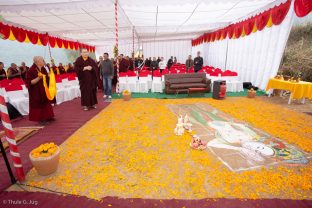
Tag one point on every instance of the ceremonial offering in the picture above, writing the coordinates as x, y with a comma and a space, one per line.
45, 158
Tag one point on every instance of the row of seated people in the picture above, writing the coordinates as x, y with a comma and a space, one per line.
15, 91
20, 72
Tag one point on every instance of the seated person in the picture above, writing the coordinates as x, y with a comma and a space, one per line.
61, 68
2, 71
23, 69
13, 72
70, 69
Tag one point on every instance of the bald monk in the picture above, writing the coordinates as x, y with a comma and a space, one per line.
40, 108
86, 69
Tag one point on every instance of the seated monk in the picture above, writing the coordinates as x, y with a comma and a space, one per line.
13, 72
2, 71
71, 69
61, 68
40, 108
123, 64
55, 69
23, 68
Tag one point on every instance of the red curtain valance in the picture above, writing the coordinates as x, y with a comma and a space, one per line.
21, 35
302, 7
274, 16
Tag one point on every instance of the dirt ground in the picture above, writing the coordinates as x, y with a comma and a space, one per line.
295, 104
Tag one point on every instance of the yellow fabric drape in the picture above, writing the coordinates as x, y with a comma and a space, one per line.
298, 90
11, 37
269, 23
51, 90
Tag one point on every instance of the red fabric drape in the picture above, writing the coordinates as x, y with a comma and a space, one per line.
248, 25
302, 7
19, 34
65, 43
262, 19
5, 30
59, 42
71, 45
44, 39
217, 37
279, 13
76, 45
238, 29
230, 30
32, 36
52, 41
208, 35
223, 33
212, 37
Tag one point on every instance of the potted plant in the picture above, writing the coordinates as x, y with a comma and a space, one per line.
45, 158
251, 93
126, 94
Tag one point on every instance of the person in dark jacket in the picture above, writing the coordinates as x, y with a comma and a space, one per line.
198, 62
170, 62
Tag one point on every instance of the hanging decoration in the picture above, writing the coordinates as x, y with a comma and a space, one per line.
302, 7
273, 16
117, 61
27, 36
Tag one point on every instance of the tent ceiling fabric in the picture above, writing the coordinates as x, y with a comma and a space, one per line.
93, 21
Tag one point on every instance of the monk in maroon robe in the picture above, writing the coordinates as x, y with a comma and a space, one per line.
13, 72
123, 65
54, 68
2, 72
100, 81
23, 68
61, 69
40, 108
86, 69
71, 69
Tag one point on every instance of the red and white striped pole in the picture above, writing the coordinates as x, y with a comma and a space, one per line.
133, 48
9, 134
117, 62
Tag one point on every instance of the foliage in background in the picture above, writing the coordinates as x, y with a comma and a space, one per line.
298, 53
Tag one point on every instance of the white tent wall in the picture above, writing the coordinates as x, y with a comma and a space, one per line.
255, 57
125, 49
176, 48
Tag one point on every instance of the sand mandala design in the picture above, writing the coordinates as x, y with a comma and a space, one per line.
238, 145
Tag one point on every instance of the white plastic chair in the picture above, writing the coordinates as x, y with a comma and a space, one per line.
143, 84
63, 94
19, 101
157, 84
132, 84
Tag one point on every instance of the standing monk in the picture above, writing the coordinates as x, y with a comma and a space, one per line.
40, 108
86, 69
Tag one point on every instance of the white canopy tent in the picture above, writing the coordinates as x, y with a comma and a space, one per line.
159, 27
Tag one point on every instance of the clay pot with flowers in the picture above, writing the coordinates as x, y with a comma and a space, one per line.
251, 93
45, 158
126, 94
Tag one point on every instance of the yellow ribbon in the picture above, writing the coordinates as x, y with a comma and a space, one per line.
51, 90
